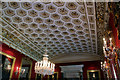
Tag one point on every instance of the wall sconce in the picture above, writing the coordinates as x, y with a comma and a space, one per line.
17, 70
22, 71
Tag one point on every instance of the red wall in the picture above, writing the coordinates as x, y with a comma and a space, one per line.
114, 30
92, 65
12, 52
33, 75
88, 65
117, 41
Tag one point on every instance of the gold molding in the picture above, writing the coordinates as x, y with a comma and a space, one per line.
14, 59
41, 76
53, 75
41, 50
93, 71
30, 70
57, 75
20, 69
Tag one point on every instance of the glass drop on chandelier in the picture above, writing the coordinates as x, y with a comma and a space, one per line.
44, 67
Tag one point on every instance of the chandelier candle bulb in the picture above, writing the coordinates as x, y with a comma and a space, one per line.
105, 62
104, 51
110, 41
49, 64
103, 39
105, 43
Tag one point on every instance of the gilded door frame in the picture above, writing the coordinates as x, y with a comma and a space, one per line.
14, 59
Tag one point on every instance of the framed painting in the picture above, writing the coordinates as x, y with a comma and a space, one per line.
6, 65
93, 74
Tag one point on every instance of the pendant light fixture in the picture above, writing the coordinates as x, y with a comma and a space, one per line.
45, 67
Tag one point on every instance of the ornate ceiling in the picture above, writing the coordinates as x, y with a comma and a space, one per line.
71, 26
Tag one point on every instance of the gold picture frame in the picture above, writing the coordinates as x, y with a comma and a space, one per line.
30, 70
14, 59
21, 67
89, 72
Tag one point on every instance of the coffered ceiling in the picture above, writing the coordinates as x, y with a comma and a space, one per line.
71, 26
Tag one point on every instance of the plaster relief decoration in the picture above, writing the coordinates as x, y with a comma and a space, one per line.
72, 28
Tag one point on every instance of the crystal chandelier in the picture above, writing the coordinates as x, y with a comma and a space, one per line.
44, 67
